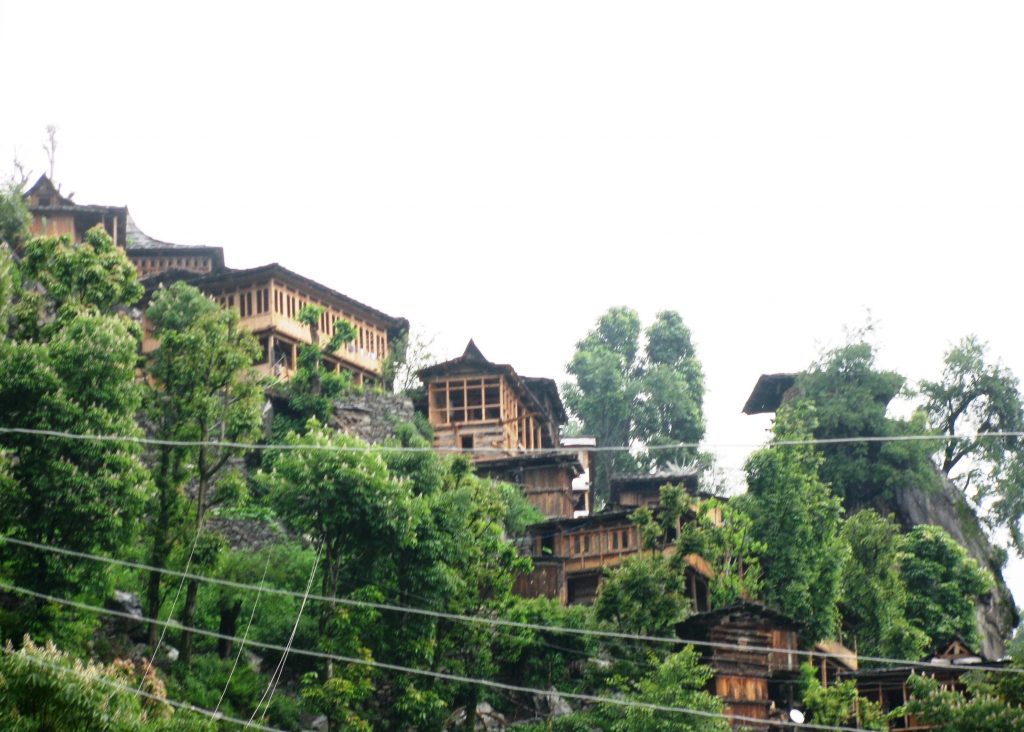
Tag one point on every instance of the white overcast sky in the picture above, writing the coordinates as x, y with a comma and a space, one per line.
507, 172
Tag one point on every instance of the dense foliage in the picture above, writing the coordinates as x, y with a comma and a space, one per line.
354, 537
649, 397
796, 517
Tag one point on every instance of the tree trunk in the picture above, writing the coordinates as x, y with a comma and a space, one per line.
187, 620
188, 616
161, 539
471, 697
228, 626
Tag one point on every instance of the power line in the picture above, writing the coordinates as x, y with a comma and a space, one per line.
499, 622
551, 451
124, 687
593, 698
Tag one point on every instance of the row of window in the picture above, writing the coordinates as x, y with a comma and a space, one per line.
598, 542
150, 265
465, 400
368, 340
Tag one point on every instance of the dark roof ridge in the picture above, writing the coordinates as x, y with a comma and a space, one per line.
391, 321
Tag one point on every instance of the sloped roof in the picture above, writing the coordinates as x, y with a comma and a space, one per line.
697, 625
538, 390
547, 388
335, 298
61, 203
140, 244
45, 187
472, 360
769, 393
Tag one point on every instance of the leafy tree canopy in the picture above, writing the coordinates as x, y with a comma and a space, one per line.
14, 215
69, 364
874, 595
42, 688
942, 584
953, 711
798, 519
851, 396
839, 703
624, 395
973, 397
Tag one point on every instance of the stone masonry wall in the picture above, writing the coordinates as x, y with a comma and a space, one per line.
371, 417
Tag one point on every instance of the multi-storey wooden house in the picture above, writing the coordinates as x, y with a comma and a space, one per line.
509, 425
570, 555
887, 685
54, 214
751, 649
268, 299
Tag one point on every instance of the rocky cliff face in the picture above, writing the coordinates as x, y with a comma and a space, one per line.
371, 417
947, 508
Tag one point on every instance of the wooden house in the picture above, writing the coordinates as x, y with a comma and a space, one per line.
153, 258
509, 424
267, 299
644, 489
570, 557
54, 214
755, 668
887, 685
474, 404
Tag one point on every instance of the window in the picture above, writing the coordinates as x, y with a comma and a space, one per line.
466, 442
465, 400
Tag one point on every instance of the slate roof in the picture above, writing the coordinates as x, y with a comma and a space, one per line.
768, 393
276, 271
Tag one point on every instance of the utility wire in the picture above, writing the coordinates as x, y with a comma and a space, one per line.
124, 687
621, 702
497, 450
501, 622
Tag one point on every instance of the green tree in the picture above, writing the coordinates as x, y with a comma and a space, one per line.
624, 396
798, 519
839, 703
975, 397
874, 595
678, 681
14, 216
723, 535
953, 711
851, 395
43, 688
645, 595
203, 390
347, 502
92, 276
943, 584
312, 389
69, 365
